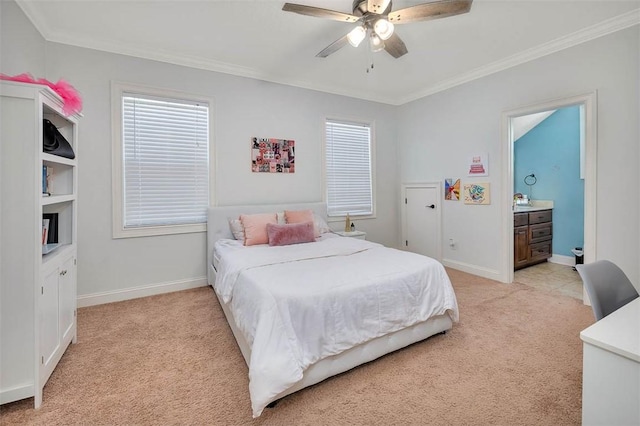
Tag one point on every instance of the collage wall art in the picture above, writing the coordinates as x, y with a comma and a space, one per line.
269, 155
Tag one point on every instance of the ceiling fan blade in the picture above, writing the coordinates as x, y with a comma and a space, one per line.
433, 10
378, 6
319, 12
333, 47
395, 46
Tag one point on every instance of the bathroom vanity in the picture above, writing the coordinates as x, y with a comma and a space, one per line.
532, 235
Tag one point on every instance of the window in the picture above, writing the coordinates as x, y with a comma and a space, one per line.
348, 168
161, 162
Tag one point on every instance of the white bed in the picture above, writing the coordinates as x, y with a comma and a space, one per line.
291, 324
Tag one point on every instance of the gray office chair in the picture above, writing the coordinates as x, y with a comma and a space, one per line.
607, 286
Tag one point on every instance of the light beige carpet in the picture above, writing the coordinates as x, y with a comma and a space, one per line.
514, 358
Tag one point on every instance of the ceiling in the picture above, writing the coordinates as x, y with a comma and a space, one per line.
255, 38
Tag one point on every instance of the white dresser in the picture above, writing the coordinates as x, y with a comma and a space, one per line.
611, 369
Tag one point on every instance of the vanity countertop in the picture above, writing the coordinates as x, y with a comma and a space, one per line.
536, 205
521, 209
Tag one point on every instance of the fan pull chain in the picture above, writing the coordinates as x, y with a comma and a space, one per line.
370, 66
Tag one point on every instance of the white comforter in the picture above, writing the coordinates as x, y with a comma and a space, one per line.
299, 304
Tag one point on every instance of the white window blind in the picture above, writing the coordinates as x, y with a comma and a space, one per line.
166, 161
348, 168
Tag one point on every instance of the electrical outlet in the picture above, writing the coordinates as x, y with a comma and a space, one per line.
452, 243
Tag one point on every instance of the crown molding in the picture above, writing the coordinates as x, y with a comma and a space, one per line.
601, 29
205, 64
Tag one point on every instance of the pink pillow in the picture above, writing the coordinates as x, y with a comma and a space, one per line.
295, 233
255, 227
301, 216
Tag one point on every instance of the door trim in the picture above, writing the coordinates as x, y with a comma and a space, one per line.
403, 214
589, 101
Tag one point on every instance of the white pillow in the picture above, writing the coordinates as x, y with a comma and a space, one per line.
237, 229
320, 224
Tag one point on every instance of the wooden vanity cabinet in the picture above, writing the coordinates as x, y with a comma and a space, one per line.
532, 237
521, 247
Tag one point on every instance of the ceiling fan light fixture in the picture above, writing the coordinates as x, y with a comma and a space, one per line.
356, 36
383, 28
375, 42
376, 20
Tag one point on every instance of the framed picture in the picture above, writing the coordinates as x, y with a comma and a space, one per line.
452, 189
478, 165
477, 193
269, 155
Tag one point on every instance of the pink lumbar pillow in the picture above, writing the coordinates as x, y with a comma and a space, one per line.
294, 233
301, 216
255, 227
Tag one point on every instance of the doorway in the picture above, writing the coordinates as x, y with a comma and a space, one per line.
588, 106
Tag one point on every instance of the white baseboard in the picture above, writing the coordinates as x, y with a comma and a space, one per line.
473, 269
562, 260
17, 393
142, 291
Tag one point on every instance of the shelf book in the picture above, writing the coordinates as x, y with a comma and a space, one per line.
47, 180
49, 232
45, 231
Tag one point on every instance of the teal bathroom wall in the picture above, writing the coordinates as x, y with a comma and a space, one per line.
551, 151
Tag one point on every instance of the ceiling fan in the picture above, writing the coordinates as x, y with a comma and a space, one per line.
377, 21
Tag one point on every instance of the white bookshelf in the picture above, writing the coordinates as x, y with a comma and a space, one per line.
38, 284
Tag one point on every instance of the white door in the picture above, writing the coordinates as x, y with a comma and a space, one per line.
422, 219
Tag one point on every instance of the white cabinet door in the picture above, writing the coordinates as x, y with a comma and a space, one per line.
422, 219
67, 288
49, 325
57, 313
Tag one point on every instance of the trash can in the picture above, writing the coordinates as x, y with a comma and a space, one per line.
579, 254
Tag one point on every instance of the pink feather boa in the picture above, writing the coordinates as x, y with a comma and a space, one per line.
71, 100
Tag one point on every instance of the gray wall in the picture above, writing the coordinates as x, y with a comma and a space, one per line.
243, 108
22, 48
437, 133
